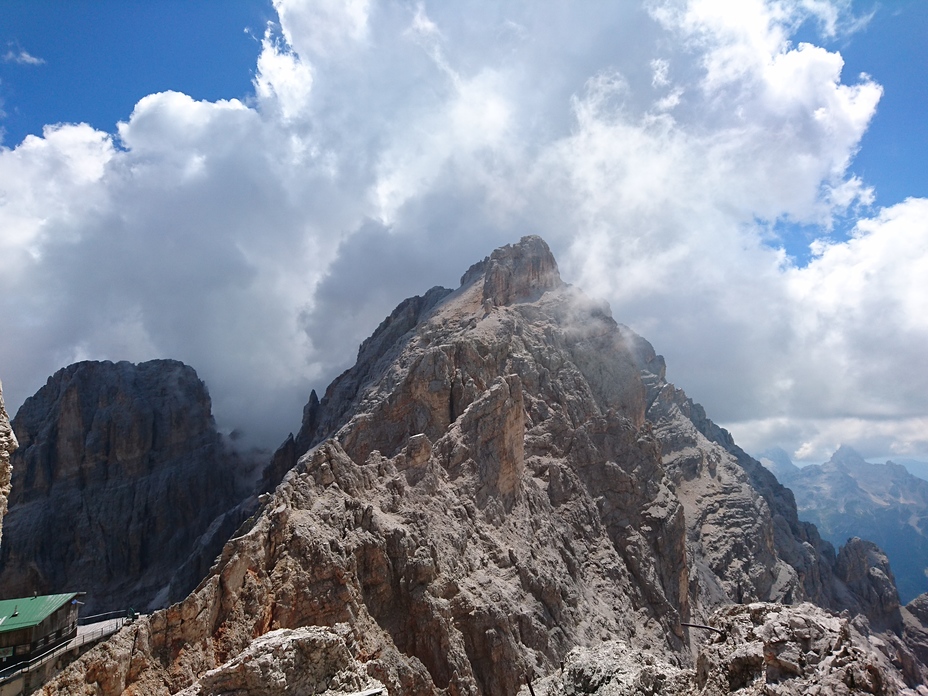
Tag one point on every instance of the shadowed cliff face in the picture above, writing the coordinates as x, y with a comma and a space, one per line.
8, 445
119, 473
503, 476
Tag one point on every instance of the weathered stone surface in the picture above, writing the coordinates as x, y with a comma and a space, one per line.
615, 668
775, 649
121, 487
519, 272
744, 535
730, 528
504, 476
8, 445
311, 661
489, 496
341, 399
865, 570
915, 627
755, 649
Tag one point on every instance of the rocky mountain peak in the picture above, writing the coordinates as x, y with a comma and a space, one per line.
865, 569
503, 476
847, 457
516, 272
848, 496
778, 461
119, 475
95, 420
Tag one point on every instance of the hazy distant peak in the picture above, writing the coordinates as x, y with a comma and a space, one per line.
847, 456
777, 461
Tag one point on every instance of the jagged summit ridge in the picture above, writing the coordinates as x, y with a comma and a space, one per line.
516, 272
503, 476
513, 273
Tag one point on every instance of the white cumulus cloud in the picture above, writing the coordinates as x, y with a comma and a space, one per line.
22, 57
658, 146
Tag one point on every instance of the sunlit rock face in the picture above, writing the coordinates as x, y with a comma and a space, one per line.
8, 445
121, 486
504, 476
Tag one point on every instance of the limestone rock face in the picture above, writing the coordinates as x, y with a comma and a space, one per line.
915, 627
8, 445
320, 419
615, 668
503, 476
864, 568
121, 486
519, 272
743, 530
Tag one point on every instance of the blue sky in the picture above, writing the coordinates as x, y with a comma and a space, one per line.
101, 56
892, 48
271, 194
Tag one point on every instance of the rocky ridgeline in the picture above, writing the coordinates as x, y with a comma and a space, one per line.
505, 476
8, 445
743, 526
121, 487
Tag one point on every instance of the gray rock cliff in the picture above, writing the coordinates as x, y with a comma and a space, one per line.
504, 476
121, 487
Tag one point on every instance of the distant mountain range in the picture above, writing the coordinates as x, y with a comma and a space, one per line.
885, 503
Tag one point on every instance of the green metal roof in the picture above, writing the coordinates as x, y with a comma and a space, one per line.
30, 611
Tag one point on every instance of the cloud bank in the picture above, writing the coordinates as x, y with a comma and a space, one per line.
664, 150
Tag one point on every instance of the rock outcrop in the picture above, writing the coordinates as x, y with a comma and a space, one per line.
744, 535
8, 445
311, 661
865, 570
746, 540
757, 648
503, 476
122, 487
615, 668
342, 397
803, 649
